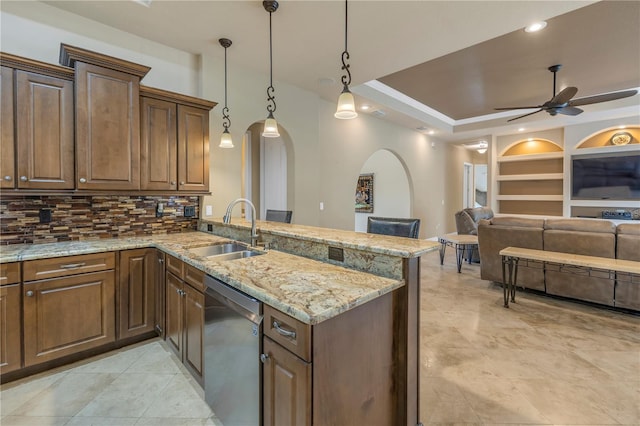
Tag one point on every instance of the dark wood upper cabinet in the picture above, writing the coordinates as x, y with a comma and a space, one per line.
44, 132
107, 93
107, 129
159, 151
7, 141
193, 144
175, 141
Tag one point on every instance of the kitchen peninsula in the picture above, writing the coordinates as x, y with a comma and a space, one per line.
362, 328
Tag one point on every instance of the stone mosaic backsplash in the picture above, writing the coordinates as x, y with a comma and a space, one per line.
81, 217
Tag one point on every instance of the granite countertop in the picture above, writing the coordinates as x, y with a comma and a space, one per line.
394, 246
309, 290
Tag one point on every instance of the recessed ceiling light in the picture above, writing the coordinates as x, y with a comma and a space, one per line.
536, 26
365, 107
521, 129
431, 132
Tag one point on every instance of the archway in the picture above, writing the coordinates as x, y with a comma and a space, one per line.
391, 188
268, 170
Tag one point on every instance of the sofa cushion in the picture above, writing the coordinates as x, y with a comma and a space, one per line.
563, 237
479, 213
493, 238
518, 221
629, 229
575, 224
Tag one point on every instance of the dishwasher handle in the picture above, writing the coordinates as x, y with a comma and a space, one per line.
241, 303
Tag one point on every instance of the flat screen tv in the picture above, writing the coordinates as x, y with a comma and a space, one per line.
613, 176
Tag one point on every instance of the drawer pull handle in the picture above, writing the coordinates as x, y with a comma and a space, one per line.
283, 332
73, 265
30, 293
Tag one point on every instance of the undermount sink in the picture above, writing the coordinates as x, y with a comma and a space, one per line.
236, 255
218, 249
225, 251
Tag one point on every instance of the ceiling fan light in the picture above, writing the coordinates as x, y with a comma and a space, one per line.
346, 106
482, 150
535, 27
270, 127
225, 140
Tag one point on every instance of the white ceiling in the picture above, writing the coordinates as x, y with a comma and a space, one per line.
385, 37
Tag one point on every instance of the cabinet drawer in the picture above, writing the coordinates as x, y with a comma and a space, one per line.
194, 277
9, 273
175, 266
70, 265
288, 332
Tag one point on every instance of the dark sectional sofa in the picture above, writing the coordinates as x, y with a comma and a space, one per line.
591, 237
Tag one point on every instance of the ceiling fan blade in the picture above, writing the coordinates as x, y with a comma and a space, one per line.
522, 116
564, 96
520, 107
602, 98
569, 110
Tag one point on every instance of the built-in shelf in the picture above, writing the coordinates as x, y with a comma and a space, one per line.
529, 197
532, 176
530, 157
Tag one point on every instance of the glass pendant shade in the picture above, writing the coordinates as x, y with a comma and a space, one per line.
225, 140
346, 106
270, 127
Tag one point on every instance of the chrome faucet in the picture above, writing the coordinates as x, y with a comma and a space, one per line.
227, 218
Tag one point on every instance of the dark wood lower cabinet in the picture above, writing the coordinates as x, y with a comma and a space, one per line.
10, 326
66, 315
286, 387
137, 292
185, 316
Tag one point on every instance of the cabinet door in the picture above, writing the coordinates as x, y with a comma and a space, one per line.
10, 339
44, 132
286, 387
160, 293
193, 149
193, 331
66, 315
137, 292
7, 141
174, 313
159, 151
107, 128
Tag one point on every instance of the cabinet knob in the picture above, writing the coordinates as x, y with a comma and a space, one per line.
7, 178
160, 260
264, 358
181, 182
30, 293
83, 180
23, 178
173, 182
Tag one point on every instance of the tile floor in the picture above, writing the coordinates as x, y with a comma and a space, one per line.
542, 361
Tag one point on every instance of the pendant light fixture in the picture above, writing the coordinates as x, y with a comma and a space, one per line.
346, 104
270, 124
225, 140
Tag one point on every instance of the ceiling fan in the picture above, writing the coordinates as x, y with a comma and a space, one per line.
561, 103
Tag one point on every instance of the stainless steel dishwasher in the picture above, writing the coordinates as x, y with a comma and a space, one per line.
232, 330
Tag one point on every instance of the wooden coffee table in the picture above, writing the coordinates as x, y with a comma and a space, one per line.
461, 243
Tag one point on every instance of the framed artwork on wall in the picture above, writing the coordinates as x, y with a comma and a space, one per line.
364, 194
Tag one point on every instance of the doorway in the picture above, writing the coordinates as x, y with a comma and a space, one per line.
273, 175
467, 186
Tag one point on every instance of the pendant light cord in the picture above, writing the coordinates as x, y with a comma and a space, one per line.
346, 79
271, 107
226, 121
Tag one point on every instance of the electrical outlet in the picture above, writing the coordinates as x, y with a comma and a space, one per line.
189, 211
45, 215
208, 210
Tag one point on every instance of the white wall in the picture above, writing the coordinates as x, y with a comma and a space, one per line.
391, 195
